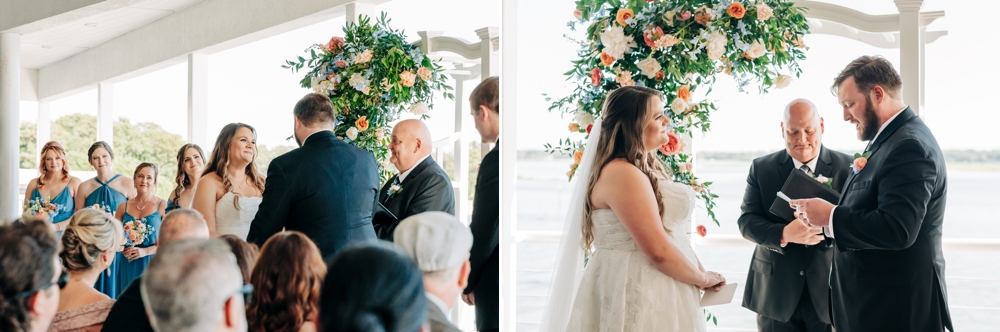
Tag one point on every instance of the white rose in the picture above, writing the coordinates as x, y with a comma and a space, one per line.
419, 108
822, 179
782, 81
649, 67
717, 45
584, 119
764, 11
352, 133
678, 106
756, 50
355, 79
380, 133
615, 42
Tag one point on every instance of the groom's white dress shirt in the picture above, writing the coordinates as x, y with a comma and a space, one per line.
829, 228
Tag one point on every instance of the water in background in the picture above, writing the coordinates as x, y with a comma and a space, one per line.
973, 278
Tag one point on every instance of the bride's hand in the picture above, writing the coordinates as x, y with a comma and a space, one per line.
713, 280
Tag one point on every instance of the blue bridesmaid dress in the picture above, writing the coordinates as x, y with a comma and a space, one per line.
128, 271
64, 205
170, 207
104, 195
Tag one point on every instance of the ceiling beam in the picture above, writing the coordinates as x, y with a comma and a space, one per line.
207, 27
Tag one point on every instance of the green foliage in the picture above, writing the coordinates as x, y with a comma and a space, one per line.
666, 48
28, 146
372, 75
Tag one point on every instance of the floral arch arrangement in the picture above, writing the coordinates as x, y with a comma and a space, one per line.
372, 75
677, 47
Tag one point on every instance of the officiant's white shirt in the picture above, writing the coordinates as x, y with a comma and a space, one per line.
402, 176
829, 229
811, 164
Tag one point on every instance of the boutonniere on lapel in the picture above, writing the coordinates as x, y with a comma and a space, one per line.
824, 180
860, 160
395, 189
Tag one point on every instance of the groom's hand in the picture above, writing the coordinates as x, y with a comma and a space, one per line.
797, 232
813, 212
469, 298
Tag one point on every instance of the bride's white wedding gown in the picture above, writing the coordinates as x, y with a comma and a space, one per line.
230, 220
622, 290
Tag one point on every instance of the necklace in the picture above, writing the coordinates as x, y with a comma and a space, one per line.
141, 207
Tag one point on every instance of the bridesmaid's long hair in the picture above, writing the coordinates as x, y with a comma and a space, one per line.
626, 112
182, 179
220, 159
52, 146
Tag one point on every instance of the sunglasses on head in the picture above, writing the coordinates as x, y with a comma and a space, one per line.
61, 282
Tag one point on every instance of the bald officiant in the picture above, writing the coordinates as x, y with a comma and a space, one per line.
788, 285
421, 185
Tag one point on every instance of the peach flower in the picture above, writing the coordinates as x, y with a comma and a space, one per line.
703, 15
574, 127
577, 156
859, 163
623, 15
673, 146
684, 16
335, 45
595, 76
606, 60
684, 93
650, 36
736, 10
407, 78
764, 11
577, 14
424, 73
702, 230
362, 123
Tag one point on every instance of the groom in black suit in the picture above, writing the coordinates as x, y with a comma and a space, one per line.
421, 184
788, 282
324, 189
888, 271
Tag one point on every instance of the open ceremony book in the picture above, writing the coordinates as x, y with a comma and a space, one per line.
800, 185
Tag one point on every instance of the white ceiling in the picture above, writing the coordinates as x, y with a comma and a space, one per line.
52, 44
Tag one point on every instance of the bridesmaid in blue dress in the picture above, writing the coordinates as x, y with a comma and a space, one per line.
107, 190
132, 260
190, 163
54, 185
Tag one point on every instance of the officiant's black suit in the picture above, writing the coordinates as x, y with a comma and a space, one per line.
426, 188
779, 276
888, 270
484, 279
325, 189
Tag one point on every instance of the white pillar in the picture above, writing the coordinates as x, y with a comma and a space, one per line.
10, 100
910, 56
43, 129
105, 113
197, 117
923, 70
508, 170
361, 8
461, 152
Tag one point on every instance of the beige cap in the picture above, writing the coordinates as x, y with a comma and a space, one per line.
435, 240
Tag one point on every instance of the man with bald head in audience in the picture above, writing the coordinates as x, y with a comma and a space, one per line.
788, 282
421, 184
129, 313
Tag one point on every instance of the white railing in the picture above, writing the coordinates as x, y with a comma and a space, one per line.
733, 240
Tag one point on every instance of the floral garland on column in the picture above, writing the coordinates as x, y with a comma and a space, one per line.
677, 47
372, 75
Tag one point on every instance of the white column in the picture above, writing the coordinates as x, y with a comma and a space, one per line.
910, 55
508, 167
461, 153
923, 70
10, 100
43, 128
197, 117
105, 113
489, 64
361, 8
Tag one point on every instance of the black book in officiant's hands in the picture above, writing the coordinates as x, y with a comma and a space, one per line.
801, 185
382, 215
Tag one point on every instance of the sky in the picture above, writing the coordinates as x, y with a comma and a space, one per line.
957, 106
247, 84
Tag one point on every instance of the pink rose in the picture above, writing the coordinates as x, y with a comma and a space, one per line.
702, 230
341, 63
859, 163
673, 146
683, 16
336, 45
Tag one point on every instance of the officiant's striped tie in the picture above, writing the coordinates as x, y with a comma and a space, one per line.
805, 168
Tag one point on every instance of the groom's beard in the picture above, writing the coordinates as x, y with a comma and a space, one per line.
869, 125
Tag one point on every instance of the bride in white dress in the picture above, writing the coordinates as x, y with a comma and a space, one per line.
642, 273
230, 190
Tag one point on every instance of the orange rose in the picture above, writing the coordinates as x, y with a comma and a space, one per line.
577, 156
859, 163
703, 15
606, 59
736, 10
684, 93
362, 123
702, 230
624, 14
673, 146
574, 127
659, 76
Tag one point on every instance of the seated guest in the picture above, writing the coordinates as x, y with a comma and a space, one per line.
129, 313
246, 254
286, 291
421, 184
440, 245
194, 285
89, 246
378, 289
28, 296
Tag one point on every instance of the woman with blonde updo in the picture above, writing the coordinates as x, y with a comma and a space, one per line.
89, 245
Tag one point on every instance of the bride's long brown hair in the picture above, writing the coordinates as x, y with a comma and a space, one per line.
626, 112
220, 160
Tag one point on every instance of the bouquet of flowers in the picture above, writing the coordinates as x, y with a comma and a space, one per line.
40, 207
136, 232
371, 75
103, 208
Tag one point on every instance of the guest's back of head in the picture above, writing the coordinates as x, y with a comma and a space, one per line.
90, 235
182, 224
28, 261
287, 280
374, 287
246, 254
188, 282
